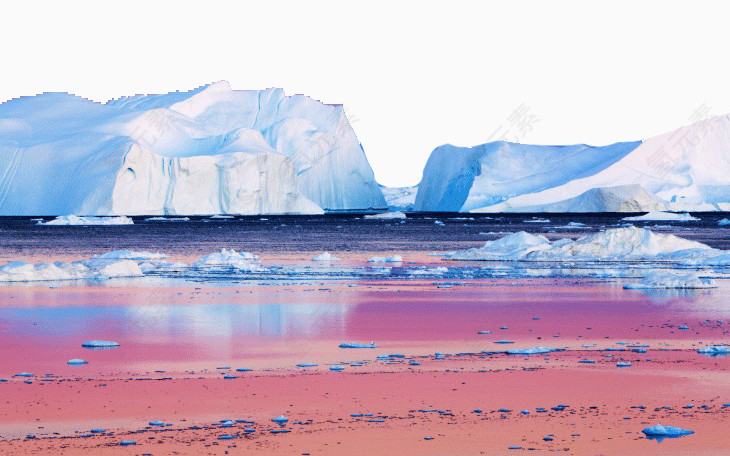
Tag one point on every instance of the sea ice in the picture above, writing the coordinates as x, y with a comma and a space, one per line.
167, 219
391, 259
326, 256
724, 222
386, 216
130, 255
21, 271
666, 431
715, 350
664, 279
357, 345
661, 216
531, 351
76, 220
76, 362
243, 261
100, 344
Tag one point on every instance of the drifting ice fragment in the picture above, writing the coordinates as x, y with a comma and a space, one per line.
76, 362
325, 257
100, 344
666, 431
357, 345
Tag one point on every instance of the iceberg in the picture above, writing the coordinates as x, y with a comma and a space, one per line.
665, 431
616, 244
663, 279
244, 261
211, 150
391, 259
723, 222
400, 198
682, 170
95, 269
715, 350
76, 220
130, 255
661, 216
325, 257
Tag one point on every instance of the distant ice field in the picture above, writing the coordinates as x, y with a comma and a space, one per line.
285, 245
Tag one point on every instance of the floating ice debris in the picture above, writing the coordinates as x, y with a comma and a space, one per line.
723, 222
536, 220
76, 362
95, 269
325, 257
428, 437
97, 431
280, 420
588, 346
156, 423
306, 365
715, 350
244, 261
548, 439
280, 431
623, 364
514, 447
525, 412
484, 332
414, 363
130, 255
683, 327
76, 220
616, 244
167, 219
666, 431
243, 369
439, 223
229, 377
357, 345
100, 344
503, 327
226, 437
386, 216
663, 279
127, 442
337, 368
24, 374
502, 341
221, 216
661, 216
390, 259
532, 351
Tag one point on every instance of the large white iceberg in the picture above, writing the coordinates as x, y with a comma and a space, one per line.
616, 244
211, 150
683, 170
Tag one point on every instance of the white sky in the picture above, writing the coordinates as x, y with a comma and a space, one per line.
412, 75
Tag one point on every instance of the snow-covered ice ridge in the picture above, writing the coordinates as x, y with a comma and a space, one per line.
683, 170
212, 150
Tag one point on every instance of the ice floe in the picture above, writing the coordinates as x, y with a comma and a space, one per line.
357, 345
532, 351
131, 255
76, 362
666, 431
386, 216
664, 279
714, 350
723, 222
326, 256
616, 244
662, 216
167, 219
243, 261
390, 259
100, 344
76, 220
21, 271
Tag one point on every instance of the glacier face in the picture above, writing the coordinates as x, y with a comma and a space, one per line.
211, 150
682, 170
